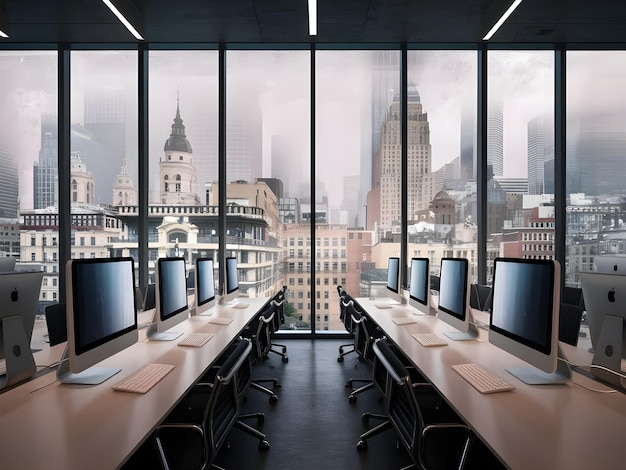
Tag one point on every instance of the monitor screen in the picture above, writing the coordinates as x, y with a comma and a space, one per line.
204, 285
525, 311
454, 298
393, 275
419, 285
232, 282
102, 319
171, 298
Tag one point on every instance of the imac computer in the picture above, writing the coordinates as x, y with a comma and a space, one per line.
19, 295
454, 307
204, 286
419, 287
171, 299
525, 318
7, 264
101, 317
231, 285
610, 264
605, 301
394, 292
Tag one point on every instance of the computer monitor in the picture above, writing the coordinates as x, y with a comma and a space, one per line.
419, 286
101, 317
610, 264
204, 286
171, 299
7, 264
454, 308
231, 281
393, 280
19, 295
525, 317
605, 302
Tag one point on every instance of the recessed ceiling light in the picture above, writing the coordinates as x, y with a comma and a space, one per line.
124, 21
312, 17
502, 19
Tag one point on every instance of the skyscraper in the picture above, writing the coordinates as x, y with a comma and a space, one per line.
540, 152
468, 139
46, 169
495, 136
9, 186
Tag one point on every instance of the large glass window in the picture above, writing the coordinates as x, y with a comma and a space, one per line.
183, 156
596, 159
520, 155
268, 207
442, 158
29, 168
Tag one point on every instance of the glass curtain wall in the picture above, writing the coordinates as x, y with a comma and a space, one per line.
520, 155
183, 157
442, 158
29, 169
268, 161
595, 159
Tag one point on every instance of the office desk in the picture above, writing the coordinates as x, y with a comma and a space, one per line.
80, 426
539, 427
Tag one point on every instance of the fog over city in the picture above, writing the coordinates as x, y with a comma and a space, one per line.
271, 90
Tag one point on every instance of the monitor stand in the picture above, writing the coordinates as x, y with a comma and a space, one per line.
610, 348
470, 334
90, 376
20, 365
153, 335
533, 376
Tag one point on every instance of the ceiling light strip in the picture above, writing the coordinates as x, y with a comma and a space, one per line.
504, 17
312, 17
124, 21
3, 34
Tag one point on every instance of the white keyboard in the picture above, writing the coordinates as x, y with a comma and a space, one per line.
195, 340
429, 339
221, 320
144, 379
481, 379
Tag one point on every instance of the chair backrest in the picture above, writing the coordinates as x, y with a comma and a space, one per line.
480, 297
572, 296
569, 323
434, 282
56, 321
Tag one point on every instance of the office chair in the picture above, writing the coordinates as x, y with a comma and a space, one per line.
346, 306
149, 301
570, 317
365, 334
57, 323
573, 296
480, 297
193, 433
279, 320
435, 437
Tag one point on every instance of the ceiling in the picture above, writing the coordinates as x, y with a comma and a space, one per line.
340, 21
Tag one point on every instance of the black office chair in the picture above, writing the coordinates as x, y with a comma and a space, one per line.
365, 334
193, 433
480, 297
149, 301
435, 437
569, 323
346, 307
56, 322
278, 302
573, 296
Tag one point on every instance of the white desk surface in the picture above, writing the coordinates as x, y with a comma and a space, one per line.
532, 427
91, 426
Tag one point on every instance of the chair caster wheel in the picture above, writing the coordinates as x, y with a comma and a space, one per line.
352, 398
361, 445
264, 445
340, 359
274, 399
285, 359
284, 349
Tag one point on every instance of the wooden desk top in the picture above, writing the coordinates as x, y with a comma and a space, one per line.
83, 426
539, 427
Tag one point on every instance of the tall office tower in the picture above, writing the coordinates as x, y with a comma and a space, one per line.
540, 152
9, 186
82, 184
124, 189
177, 174
495, 136
468, 139
596, 152
105, 119
46, 169
349, 201
419, 162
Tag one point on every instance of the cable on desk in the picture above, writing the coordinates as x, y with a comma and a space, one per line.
43, 386
619, 374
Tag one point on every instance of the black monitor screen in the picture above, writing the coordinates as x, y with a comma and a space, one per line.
523, 301
206, 283
419, 286
453, 287
172, 286
103, 300
232, 283
393, 275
